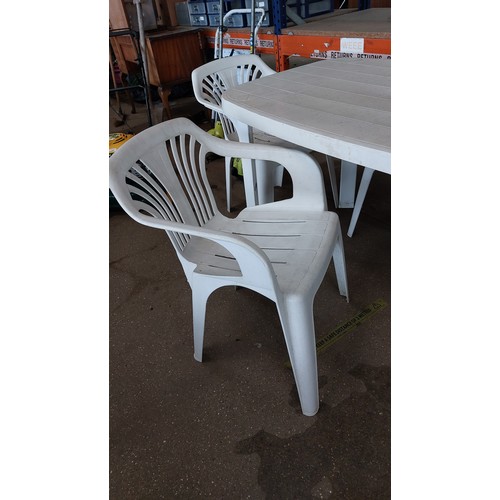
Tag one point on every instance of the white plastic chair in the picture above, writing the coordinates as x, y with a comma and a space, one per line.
280, 250
209, 82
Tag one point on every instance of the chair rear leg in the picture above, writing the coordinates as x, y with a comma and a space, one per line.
298, 327
199, 297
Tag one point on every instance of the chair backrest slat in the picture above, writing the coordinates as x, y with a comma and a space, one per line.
168, 180
187, 163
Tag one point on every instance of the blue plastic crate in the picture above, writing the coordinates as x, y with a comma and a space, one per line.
213, 7
261, 4
265, 22
234, 21
199, 19
197, 7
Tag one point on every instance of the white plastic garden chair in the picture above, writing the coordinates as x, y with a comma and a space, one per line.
280, 250
210, 81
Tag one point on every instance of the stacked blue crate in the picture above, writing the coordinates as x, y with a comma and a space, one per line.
198, 13
234, 21
213, 7
206, 13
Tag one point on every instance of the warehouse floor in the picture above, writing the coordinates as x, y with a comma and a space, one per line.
231, 427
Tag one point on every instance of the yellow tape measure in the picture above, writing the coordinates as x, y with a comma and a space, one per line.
347, 326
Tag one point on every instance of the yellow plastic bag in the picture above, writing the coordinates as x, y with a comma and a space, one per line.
116, 140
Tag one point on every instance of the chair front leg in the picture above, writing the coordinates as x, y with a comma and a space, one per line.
297, 320
201, 290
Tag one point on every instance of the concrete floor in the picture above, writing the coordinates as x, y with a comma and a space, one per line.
231, 427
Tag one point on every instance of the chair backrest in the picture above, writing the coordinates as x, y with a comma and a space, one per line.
212, 79
161, 174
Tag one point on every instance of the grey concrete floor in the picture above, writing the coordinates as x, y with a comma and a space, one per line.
231, 427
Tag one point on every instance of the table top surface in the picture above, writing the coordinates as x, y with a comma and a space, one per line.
339, 107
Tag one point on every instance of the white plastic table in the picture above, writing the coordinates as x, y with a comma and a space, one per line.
339, 107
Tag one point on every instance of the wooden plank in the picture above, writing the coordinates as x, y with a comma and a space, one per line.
170, 7
117, 16
173, 55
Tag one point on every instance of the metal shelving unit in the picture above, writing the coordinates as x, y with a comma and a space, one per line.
135, 36
368, 31
355, 33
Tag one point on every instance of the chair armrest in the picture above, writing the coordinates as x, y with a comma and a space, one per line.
304, 170
254, 264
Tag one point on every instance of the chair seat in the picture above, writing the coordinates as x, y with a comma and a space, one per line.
299, 245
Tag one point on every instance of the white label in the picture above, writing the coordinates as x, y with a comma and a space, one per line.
355, 45
332, 54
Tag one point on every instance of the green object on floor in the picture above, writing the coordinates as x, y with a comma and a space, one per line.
217, 130
237, 164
